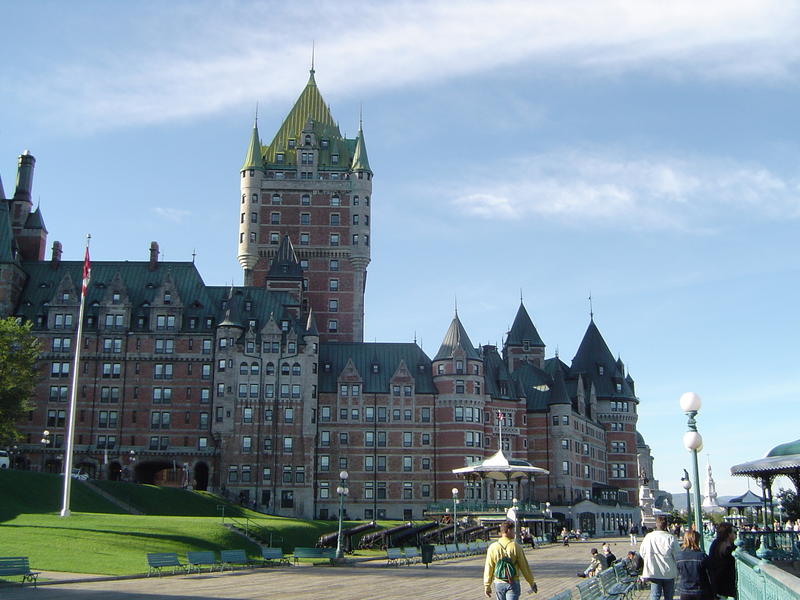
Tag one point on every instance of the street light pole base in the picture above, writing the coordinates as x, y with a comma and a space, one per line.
342, 562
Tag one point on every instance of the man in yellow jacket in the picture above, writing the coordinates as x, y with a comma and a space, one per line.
506, 547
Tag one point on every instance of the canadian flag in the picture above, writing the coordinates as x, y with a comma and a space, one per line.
87, 273
499, 416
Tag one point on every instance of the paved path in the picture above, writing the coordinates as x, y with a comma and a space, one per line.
554, 568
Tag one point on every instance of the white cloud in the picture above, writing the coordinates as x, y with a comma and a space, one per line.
174, 215
200, 59
659, 193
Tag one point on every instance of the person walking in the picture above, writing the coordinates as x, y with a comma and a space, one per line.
505, 562
659, 550
633, 531
693, 577
721, 564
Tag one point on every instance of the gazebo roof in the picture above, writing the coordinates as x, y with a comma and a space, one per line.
746, 499
501, 468
783, 459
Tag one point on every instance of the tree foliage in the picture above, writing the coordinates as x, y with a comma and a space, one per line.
790, 503
19, 352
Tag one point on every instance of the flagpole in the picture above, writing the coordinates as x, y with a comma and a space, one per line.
73, 399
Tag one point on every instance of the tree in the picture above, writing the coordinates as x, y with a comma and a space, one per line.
790, 503
19, 352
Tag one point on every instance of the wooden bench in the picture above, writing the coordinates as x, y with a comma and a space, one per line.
323, 553
156, 561
230, 558
198, 560
272, 555
18, 565
630, 582
610, 586
591, 590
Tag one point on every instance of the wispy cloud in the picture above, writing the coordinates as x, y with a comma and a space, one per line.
200, 59
659, 193
174, 215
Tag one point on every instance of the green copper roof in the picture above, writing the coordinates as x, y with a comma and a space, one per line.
787, 449
523, 330
334, 357
360, 160
254, 158
456, 337
309, 105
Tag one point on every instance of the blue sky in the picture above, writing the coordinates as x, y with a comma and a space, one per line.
645, 153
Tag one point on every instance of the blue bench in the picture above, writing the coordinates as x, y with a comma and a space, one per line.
272, 555
230, 558
18, 565
321, 553
198, 560
156, 561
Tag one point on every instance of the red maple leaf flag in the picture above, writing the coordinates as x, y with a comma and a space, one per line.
499, 416
87, 273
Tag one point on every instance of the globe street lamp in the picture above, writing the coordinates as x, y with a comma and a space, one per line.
342, 491
45, 443
693, 442
455, 517
687, 485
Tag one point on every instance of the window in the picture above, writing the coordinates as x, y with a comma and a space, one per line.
407, 464
333, 326
407, 439
565, 444
335, 201
334, 239
618, 470
162, 395
618, 446
159, 420
324, 490
369, 413
287, 499
164, 346
305, 200
276, 199
274, 238
325, 414
333, 305
60, 369
565, 419
247, 443
459, 386
425, 439
369, 439
472, 438
325, 438
288, 444
334, 264
565, 467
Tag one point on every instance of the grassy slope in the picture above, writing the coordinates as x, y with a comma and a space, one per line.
96, 540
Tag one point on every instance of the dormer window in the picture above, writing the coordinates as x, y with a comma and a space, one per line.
334, 159
326, 367
323, 144
115, 298
279, 157
307, 140
459, 367
619, 387
285, 325
167, 298
375, 368
291, 144
248, 305
526, 345
601, 370
65, 296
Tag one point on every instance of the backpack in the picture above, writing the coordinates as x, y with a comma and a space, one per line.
504, 570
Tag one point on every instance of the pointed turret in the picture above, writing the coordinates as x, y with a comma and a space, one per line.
35, 220
311, 325
593, 355
254, 159
360, 160
285, 264
523, 330
456, 337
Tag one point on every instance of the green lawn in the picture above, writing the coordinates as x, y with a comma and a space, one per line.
96, 538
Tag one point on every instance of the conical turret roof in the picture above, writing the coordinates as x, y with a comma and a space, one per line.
254, 159
456, 337
309, 105
360, 160
311, 325
285, 264
35, 220
592, 352
523, 329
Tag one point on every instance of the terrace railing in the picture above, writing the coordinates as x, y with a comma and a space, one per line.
757, 577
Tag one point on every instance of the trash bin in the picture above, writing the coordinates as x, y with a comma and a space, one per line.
427, 554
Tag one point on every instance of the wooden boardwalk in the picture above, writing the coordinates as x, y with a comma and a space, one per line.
554, 568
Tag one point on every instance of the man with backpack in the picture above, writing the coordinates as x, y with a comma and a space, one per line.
505, 562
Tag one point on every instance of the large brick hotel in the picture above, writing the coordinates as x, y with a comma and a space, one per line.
266, 391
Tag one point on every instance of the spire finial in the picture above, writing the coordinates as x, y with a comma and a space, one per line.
360, 115
256, 120
520, 295
455, 299
591, 309
194, 254
313, 44
415, 336
556, 351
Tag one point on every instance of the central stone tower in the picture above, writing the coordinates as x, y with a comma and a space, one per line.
314, 186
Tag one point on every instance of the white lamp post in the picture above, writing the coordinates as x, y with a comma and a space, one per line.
455, 517
687, 485
342, 491
693, 442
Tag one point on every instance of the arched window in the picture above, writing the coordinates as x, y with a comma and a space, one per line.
296, 369
254, 368
243, 369
308, 140
285, 368
269, 369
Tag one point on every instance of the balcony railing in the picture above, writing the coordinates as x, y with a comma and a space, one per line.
473, 506
756, 577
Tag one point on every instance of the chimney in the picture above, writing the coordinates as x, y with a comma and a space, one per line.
153, 256
55, 259
24, 177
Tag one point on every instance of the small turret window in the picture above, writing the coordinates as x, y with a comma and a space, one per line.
355, 200
307, 140
323, 143
253, 237
334, 159
366, 200
254, 217
279, 157
291, 143
244, 196
600, 370
355, 239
